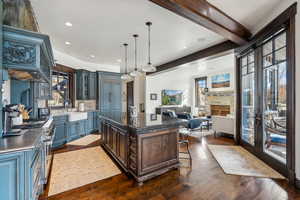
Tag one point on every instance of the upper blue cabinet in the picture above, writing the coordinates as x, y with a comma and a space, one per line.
27, 55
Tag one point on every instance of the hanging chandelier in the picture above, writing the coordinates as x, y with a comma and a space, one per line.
126, 76
135, 72
149, 67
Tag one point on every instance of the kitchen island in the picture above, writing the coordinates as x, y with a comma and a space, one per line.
144, 148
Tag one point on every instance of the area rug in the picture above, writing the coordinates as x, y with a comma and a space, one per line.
77, 168
238, 161
87, 140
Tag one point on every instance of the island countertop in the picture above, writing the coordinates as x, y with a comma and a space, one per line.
143, 122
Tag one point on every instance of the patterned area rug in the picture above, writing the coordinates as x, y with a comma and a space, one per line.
238, 161
87, 140
80, 167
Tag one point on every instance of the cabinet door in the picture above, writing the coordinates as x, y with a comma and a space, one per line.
60, 137
12, 181
110, 138
116, 96
106, 98
79, 85
92, 86
104, 132
122, 146
81, 127
73, 132
89, 124
85, 85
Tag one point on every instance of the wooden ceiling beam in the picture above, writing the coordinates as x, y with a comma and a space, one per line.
210, 51
208, 16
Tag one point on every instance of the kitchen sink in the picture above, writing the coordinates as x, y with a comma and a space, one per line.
76, 116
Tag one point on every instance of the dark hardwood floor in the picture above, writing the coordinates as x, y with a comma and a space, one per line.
204, 181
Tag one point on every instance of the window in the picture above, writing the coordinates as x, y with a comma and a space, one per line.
201, 86
60, 89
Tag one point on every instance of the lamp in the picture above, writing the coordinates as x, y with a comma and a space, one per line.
135, 72
149, 67
125, 76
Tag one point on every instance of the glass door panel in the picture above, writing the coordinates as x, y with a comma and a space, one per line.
275, 98
248, 97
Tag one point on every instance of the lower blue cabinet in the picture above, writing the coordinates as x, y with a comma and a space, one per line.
90, 123
73, 132
76, 130
60, 134
68, 131
60, 137
12, 181
21, 174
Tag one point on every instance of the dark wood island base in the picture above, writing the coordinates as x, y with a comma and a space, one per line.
144, 152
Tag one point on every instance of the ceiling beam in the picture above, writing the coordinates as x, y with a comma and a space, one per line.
210, 51
208, 16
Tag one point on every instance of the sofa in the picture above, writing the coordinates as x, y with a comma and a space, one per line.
193, 123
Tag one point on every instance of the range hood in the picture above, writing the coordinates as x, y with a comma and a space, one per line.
27, 55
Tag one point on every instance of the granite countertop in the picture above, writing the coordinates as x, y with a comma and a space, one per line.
143, 122
28, 140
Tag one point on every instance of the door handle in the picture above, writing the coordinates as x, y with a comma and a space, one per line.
258, 119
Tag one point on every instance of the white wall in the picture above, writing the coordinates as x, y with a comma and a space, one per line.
183, 79
138, 92
281, 7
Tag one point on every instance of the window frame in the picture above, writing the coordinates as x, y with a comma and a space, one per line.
197, 88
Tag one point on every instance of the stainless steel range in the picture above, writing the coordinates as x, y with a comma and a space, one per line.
47, 139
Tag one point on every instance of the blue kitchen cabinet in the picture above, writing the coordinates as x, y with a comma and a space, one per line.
82, 82
96, 121
110, 89
34, 162
60, 137
21, 174
76, 130
92, 86
90, 123
69, 131
86, 88
73, 132
12, 175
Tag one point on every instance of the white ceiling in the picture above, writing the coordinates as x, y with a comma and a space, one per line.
247, 12
101, 26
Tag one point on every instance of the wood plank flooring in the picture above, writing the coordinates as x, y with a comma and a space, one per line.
204, 181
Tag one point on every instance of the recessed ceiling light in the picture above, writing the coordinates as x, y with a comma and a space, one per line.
184, 47
119, 60
68, 43
92, 56
68, 24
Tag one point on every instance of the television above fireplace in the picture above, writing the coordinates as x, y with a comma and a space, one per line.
171, 97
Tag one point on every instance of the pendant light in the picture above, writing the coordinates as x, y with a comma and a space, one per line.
135, 72
149, 67
125, 76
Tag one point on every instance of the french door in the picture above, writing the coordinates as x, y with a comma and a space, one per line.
265, 100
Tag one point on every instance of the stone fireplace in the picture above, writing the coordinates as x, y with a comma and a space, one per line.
221, 103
